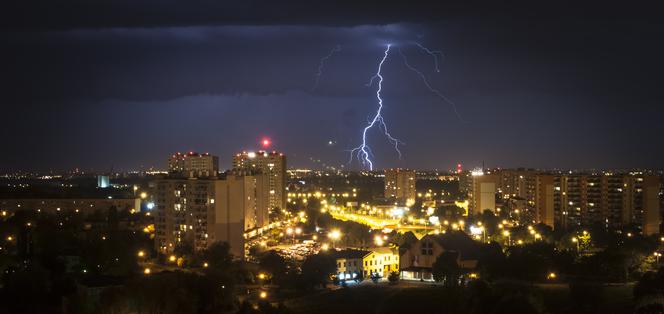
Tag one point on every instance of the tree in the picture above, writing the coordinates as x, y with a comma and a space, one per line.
492, 261
651, 283
375, 277
218, 255
393, 277
274, 264
446, 268
531, 261
317, 269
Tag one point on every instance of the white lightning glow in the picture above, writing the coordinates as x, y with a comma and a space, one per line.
321, 65
434, 53
363, 152
426, 83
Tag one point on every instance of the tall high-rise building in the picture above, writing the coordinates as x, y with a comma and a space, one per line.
612, 200
183, 209
567, 200
270, 165
193, 165
400, 185
199, 211
482, 194
544, 200
240, 208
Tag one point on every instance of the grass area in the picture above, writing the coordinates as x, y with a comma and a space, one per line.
419, 298
374, 299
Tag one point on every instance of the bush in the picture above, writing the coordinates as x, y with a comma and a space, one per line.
393, 277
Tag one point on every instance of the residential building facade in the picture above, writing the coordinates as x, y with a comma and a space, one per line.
400, 185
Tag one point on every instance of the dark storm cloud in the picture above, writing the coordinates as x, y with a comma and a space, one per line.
73, 14
164, 63
99, 86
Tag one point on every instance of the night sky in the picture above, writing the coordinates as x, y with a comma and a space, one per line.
124, 85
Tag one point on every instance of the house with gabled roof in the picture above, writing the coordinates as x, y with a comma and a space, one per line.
416, 261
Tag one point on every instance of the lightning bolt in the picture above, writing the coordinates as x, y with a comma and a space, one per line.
434, 53
363, 152
321, 65
426, 83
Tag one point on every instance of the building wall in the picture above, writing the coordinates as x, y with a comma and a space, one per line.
349, 268
193, 165
483, 195
400, 185
231, 213
182, 210
422, 253
203, 211
613, 200
544, 200
651, 212
272, 167
381, 261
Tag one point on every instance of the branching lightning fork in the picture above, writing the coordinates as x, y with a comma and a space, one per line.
434, 53
334, 50
363, 152
426, 83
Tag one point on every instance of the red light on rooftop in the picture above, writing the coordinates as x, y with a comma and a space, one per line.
266, 142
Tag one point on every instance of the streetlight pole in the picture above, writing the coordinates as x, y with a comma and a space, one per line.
575, 240
509, 237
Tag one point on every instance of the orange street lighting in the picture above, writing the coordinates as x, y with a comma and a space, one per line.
378, 240
334, 235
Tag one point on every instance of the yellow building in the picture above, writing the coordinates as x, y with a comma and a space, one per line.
354, 264
381, 261
349, 263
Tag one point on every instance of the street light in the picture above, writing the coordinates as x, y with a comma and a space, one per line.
334, 235
575, 240
509, 237
657, 256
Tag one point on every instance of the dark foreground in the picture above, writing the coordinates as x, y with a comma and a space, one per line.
501, 298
